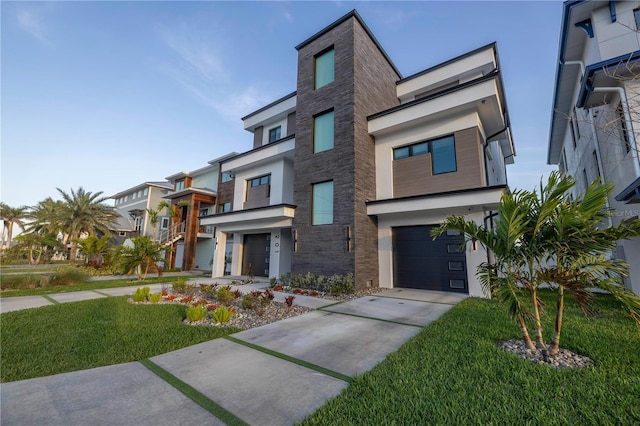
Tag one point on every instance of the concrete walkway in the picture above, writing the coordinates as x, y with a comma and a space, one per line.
276, 374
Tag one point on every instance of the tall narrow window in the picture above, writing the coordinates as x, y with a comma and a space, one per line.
274, 134
443, 155
595, 161
324, 68
179, 185
322, 203
573, 134
636, 16
623, 129
576, 122
585, 178
323, 132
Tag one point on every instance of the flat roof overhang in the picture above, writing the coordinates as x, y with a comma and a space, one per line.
284, 148
631, 194
447, 203
278, 216
483, 96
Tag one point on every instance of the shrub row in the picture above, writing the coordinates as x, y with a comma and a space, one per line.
64, 275
334, 284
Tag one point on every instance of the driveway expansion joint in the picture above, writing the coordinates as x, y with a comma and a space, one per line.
413, 300
371, 318
291, 359
196, 396
101, 293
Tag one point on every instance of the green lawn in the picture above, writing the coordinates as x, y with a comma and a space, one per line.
453, 373
92, 285
75, 336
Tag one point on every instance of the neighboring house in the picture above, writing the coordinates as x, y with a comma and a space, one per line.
350, 172
132, 205
193, 194
594, 121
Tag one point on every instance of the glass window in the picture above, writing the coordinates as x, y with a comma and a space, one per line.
179, 185
262, 180
411, 150
165, 223
274, 134
636, 15
204, 212
323, 132
324, 68
226, 177
146, 191
443, 155
322, 207
399, 153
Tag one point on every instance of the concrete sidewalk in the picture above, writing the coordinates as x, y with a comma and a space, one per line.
9, 304
276, 374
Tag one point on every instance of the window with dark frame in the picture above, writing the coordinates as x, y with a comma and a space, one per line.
443, 153
226, 177
224, 207
179, 185
324, 68
322, 203
323, 132
636, 15
274, 134
573, 134
595, 161
623, 129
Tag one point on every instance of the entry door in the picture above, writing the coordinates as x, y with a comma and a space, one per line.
256, 255
422, 263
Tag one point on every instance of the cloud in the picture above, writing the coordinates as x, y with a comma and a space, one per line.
199, 69
31, 23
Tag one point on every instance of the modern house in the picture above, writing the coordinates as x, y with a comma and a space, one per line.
193, 194
349, 173
132, 205
595, 118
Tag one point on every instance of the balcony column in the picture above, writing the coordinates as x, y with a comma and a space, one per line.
217, 268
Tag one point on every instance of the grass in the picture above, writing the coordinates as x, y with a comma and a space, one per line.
76, 336
453, 373
91, 285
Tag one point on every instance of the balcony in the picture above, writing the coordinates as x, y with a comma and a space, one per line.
205, 231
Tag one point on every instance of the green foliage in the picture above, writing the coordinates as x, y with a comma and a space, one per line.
196, 313
545, 237
335, 284
257, 301
145, 255
179, 285
273, 282
19, 281
141, 294
101, 332
209, 290
452, 373
222, 314
155, 297
68, 274
248, 301
224, 294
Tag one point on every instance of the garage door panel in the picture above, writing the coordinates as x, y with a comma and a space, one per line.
421, 262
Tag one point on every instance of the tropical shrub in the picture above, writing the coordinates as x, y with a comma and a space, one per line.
155, 297
547, 237
141, 294
68, 274
196, 313
224, 294
179, 285
223, 314
289, 300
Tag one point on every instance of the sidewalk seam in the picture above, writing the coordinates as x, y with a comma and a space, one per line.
416, 300
103, 294
51, 299
371, 318
291, 359
193, 394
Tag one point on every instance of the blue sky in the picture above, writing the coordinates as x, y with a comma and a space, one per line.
107, 95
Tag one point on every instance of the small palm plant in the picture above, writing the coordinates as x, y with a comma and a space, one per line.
142, 256
545, 238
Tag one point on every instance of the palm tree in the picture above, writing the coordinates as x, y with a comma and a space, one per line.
544, 238
94, 248
11, 216
84, 212
144, 254
38, 244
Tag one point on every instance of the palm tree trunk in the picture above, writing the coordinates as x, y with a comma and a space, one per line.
525, 333
536, 312
555, 342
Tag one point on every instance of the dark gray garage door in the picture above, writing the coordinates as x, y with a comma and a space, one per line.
420, 262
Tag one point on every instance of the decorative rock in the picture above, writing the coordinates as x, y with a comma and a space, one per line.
564, 359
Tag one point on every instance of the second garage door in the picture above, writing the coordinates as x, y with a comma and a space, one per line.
420, 262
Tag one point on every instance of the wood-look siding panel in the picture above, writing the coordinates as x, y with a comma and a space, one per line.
257, 196
413, 176
257, 137
291, 124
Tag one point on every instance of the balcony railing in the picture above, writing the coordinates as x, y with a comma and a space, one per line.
170, 235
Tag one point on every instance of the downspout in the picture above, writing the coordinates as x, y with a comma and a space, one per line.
629, 125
